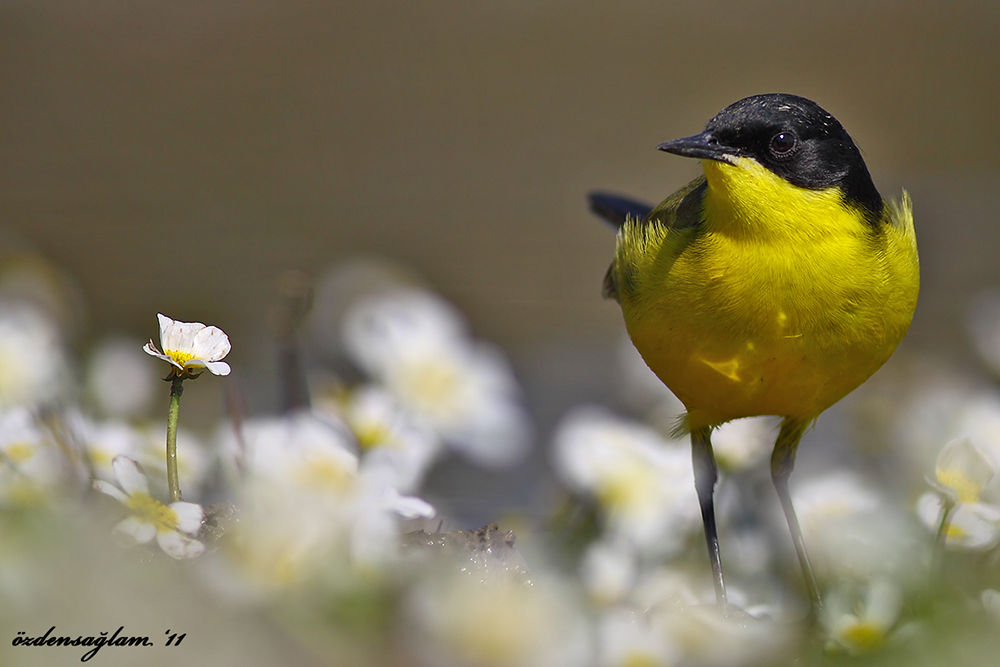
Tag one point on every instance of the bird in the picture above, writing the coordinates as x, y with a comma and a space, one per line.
774, 283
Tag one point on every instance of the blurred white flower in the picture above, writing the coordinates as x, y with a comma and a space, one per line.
704, 634
744, 443
31, 462
119, 381
387, 435
962, 471
496, 622
643, 482
416, 345
191, 347
174, 526
945, 411
106, 440
308, 505
33, 366
859, 621
850, 529
626, 638
608, 571
974, 526
300, 452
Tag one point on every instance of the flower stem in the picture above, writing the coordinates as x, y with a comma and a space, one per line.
173, 483
947, 507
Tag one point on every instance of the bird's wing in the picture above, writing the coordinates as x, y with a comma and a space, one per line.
681, 210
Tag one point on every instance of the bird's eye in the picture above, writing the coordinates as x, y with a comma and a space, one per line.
783, 143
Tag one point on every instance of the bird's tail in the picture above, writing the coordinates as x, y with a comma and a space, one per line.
616, 209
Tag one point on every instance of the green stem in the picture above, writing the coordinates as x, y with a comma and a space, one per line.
947, 507
173, 483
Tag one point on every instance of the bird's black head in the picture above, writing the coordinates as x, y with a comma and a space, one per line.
794, 138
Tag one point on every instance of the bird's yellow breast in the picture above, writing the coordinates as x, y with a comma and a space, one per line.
780, 302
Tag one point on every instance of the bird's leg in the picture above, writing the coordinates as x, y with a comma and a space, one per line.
782, 462
705, 475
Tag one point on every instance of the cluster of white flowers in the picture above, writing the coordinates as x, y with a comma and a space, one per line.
415, 346
322, 512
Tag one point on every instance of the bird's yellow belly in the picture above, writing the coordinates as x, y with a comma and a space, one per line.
756, 334
723, 379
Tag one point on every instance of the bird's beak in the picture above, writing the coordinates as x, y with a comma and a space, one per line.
702, 146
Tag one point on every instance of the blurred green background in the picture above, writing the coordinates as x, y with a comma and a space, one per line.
179, 157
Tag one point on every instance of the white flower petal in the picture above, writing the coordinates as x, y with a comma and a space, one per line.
176, 335
189, 517
408, 507
111, 490
149, 349
218, 368
210, 344
130, 475
973, 526
132, 531
179, 546
964, 469
883, 603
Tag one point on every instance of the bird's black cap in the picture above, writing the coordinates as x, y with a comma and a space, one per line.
793, 137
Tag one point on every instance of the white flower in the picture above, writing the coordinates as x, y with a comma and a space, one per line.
308, 506
860, 621
174, 526
974, 526
415, 344
643, 483
387, 435
962, 471
608, 571
119, 380
947, 410
31, 461
104, 441
743, 443
300, 452
32, 358
497, 621
191, 347
850, 529
703, 634
625, 638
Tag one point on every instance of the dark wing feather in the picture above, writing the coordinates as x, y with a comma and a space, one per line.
681, 210
616, 209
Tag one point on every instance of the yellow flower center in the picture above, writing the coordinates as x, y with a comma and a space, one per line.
953, 532
324, 474
863, 636
153, 511
19, 452
966, 488
500, 628
637, 659
626, 489
432, 388
370, 434
180, 357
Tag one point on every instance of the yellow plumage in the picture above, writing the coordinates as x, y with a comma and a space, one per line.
779, 302
773, 285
